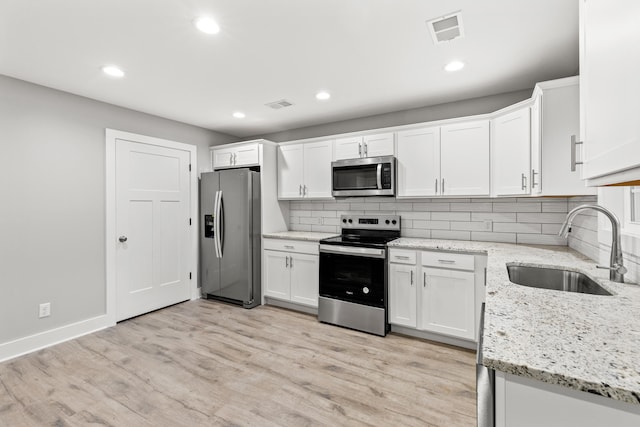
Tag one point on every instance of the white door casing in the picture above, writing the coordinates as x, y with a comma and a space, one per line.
151, 197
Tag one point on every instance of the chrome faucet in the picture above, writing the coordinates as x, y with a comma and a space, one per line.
616, 267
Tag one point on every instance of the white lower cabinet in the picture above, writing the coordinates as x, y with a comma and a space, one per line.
290, 271
434, 291
523, 402
402, 295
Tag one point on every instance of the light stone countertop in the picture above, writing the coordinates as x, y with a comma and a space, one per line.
586, 342
299, 235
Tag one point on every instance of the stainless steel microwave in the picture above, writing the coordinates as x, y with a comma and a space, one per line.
370, 176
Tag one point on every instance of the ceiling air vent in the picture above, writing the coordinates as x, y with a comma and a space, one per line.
446, 28
276, 105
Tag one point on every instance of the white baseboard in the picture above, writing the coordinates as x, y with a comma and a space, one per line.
31, 343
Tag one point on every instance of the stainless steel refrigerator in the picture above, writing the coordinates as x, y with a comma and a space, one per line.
230, 236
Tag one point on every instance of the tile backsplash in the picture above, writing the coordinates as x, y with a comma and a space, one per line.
510, 220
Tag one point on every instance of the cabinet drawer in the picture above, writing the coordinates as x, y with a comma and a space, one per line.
298, 246
400, 256
448, 260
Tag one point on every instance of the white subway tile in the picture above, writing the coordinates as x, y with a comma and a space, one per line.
583, 221
451, 216
551, 228
515, 227
504, 200
517, 207
414, 215
434, 225
310, 220
365, 206
294, 220
541, 239
301, 227
406, 223
584, 248
495, 216
472, 207
555, 207
543, 218
452, 235
324, 214
468, 226
431, 207
340, 206
325, 228
452, 200
486, 236
302, 212
331, 221
418, 233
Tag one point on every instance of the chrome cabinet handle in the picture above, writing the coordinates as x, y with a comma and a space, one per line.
231, 159
533, 178
524, 182
411, 277
436, 185
442, 186
401, 257
300, 190
235, 158
122, 239
366, 150
446, 261
574, 144
286, 262
304, 190
424, 280
359, 149
290, 262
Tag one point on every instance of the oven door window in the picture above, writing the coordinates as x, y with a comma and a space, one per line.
353, 278
361, 177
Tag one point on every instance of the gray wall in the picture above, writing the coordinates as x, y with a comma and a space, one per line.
52, 219
469, 107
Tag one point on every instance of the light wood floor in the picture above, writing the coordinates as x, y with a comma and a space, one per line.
204, 363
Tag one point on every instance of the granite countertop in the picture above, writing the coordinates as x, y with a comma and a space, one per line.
299, 235
586, 342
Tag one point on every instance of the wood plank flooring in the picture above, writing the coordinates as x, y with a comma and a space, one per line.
204, 363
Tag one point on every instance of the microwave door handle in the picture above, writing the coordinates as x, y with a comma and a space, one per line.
379, 176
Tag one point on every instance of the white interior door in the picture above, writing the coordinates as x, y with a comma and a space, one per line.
153, 227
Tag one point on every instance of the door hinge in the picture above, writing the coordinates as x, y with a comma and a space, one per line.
189, 167
189, 275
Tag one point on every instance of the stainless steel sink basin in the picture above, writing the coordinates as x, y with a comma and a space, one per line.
554, 278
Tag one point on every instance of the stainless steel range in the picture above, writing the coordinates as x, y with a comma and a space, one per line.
353, 273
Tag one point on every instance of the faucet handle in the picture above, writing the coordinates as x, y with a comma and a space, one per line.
620, 269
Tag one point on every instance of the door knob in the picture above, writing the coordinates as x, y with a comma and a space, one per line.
122, 239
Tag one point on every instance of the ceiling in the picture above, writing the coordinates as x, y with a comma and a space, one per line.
373, 56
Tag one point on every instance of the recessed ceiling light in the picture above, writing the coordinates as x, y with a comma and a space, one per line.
239, 115
113, 71
454, 66
323, 95
207, 25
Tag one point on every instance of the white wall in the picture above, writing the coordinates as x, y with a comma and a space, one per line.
512, 220
52, 220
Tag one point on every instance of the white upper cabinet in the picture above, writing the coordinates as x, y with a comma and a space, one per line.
304, 170
511, 136
418, 162
233, 156
610, 90
464, 159
364, 146
554, 119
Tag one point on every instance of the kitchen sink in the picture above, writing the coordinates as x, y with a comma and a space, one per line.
554, 278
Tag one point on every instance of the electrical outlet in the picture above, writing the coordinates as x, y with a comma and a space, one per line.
45, 309
488, 225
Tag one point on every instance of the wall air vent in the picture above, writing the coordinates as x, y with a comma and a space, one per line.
276, 105
446, 28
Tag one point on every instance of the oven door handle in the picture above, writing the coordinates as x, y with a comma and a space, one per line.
349, 250
379, 176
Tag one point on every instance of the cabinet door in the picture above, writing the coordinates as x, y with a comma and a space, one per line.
246, 155
304, 279
348, 148
317, 169
464, 159
276, 275
609, 86
290, 167
418, 162
511, 153
378, 145
447, 302
222, 158
402, 295
535, 178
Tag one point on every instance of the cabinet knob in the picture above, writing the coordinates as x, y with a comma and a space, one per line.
122, 239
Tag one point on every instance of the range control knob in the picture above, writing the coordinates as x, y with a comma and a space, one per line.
350, 220
394, 222
344, 220
386, 222
365, 290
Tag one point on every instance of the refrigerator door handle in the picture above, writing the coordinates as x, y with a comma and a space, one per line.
216, 224
221, 225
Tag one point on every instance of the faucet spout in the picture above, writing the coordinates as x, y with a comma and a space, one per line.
616, 267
